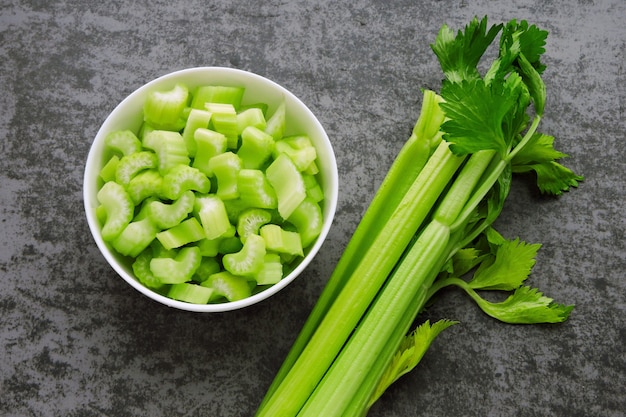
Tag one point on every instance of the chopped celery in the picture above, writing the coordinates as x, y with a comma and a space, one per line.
230, 286
299, 148
249, 260
208, 144
307, 218
122, 142
190, 293
224, 121
217, 94
118, 207
255, 190
250, 221
252, 116
225, 168
183, 233
163, 109
135, 237
272, 270
313, 188
184, 178
280, 240
256, 148
107, 173
169, 147
277, 123
186, 197
145, 184
141, 269
229, 244
208, 266
288, 184
169, 215
178, 269
197, 119
130, 165
212, 213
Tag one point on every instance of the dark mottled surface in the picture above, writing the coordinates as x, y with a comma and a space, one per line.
75, 340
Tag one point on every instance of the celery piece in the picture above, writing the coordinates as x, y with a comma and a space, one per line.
234, 208
130, 165
170, 149
183, 233
313, 188
307, 218
312, 169
208, 247
145, 184
251, 117
277, 123
230, 286
249, 260
250, 221
217, 94
208, 144
190, 293
184, 178
211, 211
280, 240
159, 251
163, 109
299, 148
255, 190
288, 184
119, 209
256, 147
208, 266
225, 168
197, 119
272, 270
107, 173
179, 269
229, 244
166, 216
122, 142
224, 121
135, 237
141, 269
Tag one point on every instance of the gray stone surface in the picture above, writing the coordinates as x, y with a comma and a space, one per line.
75, 340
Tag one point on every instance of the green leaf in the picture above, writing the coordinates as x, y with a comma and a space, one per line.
409, 354
508, 268
525, 306
540, 148
552, 177
476, 112
459, 55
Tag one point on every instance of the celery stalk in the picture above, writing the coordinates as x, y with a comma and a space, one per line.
406, 167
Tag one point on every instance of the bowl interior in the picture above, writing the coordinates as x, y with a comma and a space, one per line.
128, 115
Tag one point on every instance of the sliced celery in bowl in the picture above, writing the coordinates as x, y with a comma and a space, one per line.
258, 92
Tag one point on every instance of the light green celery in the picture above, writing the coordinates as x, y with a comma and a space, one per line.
225, 168
197, 119
186, 232
377, 262
183, 178
122, 142
107, 173
163, 109
249, 260
252, 116
208, 144
190, 293
211, 211
130, 165
335, 392
232, 287
287, 183
409, 162
256, 147
119, 209
169, 147
179, 269
217, 94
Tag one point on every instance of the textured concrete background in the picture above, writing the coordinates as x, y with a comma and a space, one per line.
75, 340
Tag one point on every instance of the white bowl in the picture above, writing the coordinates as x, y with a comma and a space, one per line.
128, 115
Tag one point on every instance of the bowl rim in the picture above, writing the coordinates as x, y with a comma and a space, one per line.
90, 186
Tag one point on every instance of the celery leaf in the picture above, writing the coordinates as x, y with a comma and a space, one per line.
409, 353
525, 306
459, 55
508, 268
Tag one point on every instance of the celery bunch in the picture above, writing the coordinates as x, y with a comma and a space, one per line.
430, 226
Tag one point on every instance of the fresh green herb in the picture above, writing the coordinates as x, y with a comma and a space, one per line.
429, 226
